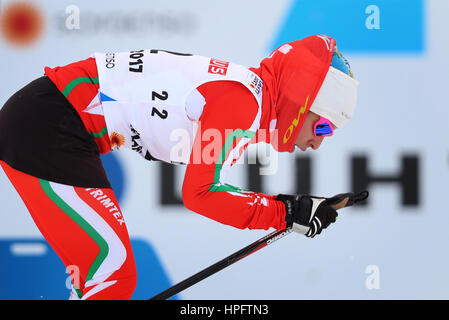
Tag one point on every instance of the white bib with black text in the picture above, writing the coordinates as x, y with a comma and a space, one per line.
147, 99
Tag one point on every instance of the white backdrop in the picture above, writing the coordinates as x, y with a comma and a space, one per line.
402, 110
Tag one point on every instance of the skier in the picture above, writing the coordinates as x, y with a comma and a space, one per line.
54, 129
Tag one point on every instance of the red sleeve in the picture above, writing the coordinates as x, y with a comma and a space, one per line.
224, 131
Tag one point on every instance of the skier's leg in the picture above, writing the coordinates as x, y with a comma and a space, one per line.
86, 229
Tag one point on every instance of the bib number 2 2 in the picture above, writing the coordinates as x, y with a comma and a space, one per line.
160, 96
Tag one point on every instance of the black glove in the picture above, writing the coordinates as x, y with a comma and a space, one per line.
309, 215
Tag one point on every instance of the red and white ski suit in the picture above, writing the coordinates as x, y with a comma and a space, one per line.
84, 224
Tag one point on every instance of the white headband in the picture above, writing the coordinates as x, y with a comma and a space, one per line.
337, 97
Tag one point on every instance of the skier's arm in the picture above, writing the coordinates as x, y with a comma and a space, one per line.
224, 132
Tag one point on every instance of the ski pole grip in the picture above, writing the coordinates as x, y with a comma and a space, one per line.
343, 200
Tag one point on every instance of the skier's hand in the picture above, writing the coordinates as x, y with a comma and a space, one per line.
309, 215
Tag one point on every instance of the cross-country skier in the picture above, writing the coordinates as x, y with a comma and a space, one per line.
55, 128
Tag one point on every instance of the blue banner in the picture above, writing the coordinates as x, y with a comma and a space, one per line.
362, 26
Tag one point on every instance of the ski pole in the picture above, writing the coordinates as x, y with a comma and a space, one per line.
337, 202
236, 256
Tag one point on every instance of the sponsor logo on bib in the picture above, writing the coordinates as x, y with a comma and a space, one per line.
218, 67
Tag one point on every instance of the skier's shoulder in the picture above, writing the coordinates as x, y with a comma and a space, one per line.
236, 94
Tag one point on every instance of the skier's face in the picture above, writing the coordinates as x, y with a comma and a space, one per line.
306, 138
